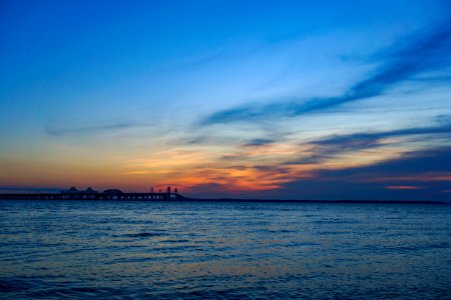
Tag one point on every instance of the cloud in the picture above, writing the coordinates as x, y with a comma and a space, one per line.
403, 187
407, 60
428, 169
429, 160
369, 139
331, 146
259, 142
89, 129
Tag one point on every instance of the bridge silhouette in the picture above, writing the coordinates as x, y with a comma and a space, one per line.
89, 194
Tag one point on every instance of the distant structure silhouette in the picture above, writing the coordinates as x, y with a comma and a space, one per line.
72, 190
90, 194
89, 190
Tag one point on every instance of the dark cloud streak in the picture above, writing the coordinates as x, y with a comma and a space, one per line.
369, 138
330, 146
88, 129
370, 182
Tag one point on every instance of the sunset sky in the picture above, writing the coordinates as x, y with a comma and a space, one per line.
245, 99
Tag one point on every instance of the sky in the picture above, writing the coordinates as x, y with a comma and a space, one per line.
243, 99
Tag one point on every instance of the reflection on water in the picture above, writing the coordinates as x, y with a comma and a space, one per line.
191, 250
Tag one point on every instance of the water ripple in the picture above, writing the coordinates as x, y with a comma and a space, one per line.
158, 250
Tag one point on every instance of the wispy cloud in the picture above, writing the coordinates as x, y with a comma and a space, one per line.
432, 162
260, 142
403, 187
89, 129
267, 164
408, 59
368, 139
137, 172
329, 147
415, 175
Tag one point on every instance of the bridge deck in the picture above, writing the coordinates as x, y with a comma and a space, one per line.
92, 196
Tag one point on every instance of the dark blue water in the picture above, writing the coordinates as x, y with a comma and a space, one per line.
76, 249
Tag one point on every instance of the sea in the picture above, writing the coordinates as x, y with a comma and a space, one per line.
223, 250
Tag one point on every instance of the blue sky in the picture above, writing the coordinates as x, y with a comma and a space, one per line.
256, 98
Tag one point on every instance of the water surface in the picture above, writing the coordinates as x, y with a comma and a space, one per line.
107, 249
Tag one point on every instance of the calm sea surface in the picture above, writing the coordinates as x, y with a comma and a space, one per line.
76, 249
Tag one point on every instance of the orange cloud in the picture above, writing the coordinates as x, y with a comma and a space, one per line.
402, 187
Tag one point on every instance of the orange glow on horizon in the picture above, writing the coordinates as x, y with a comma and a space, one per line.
192, 168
